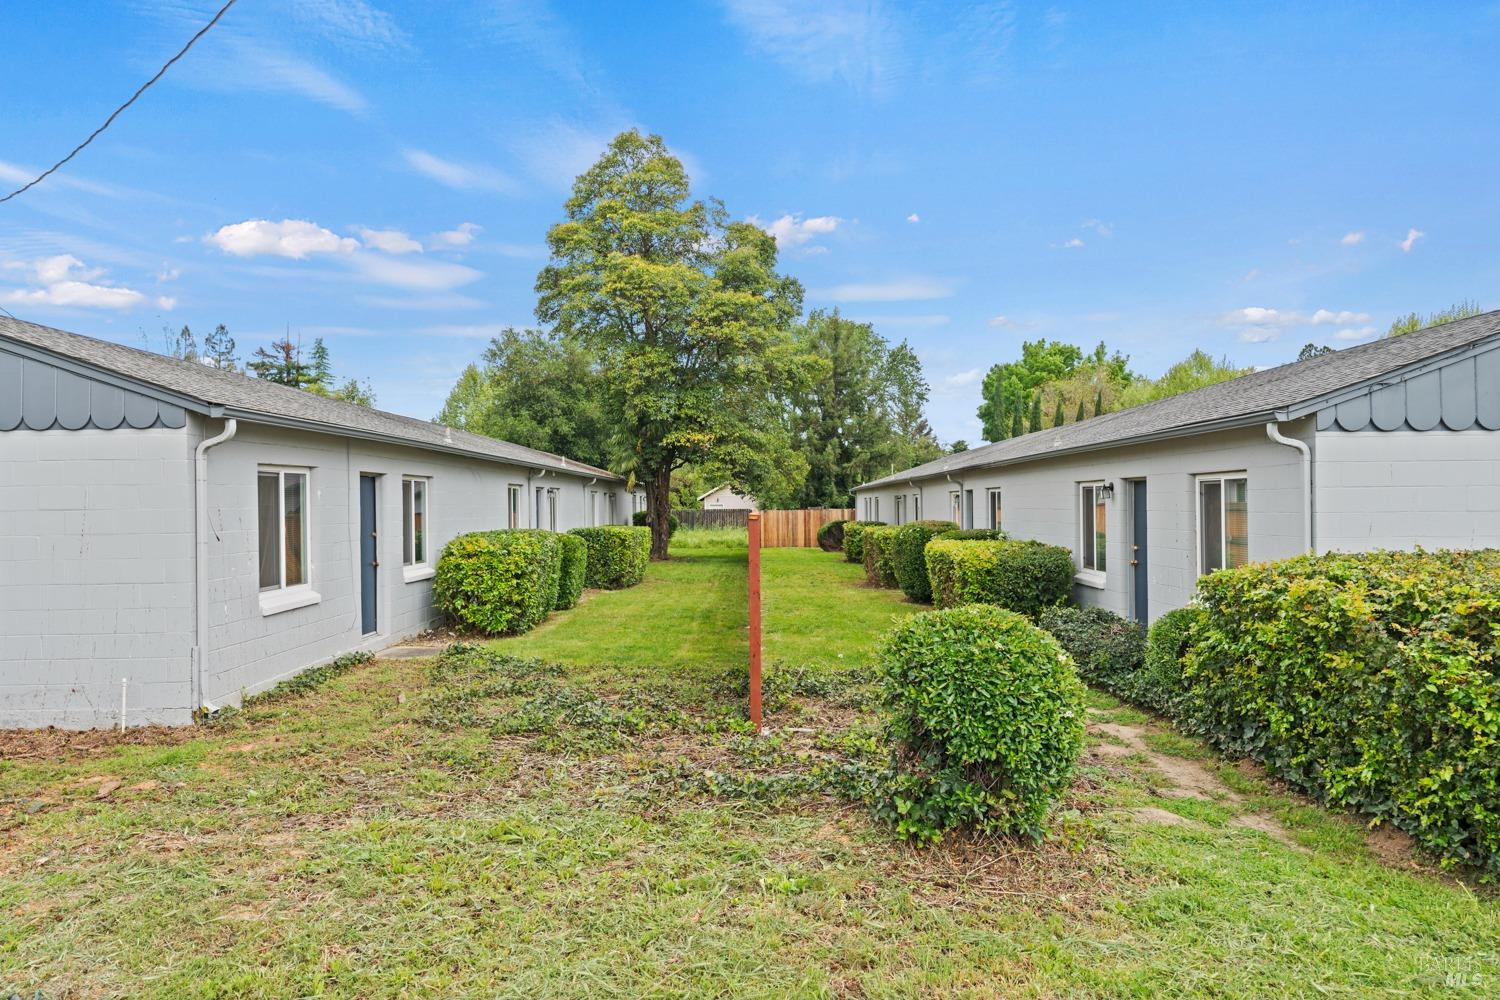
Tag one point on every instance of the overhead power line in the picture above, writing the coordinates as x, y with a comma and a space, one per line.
110, 120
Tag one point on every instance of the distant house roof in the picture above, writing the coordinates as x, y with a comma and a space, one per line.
723, 486
1282, 393
216, 393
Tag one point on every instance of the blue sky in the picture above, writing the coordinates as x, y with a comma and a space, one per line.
1243, 178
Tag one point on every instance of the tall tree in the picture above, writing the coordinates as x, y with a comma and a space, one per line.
1034, 424
1058, 417
1016, 424
1041, 361
1081, 415
218, 350
1412, 322
1197, 370
184, 344
281, 362
687, 315
319, 368
906, 401
537, 389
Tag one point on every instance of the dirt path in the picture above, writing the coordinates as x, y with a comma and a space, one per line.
1180, 778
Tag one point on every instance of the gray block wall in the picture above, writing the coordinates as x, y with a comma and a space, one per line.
1041, 502
96, 576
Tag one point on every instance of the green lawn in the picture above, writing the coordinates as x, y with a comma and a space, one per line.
608, 828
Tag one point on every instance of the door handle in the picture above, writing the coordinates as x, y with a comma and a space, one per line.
374, 563
1135, 562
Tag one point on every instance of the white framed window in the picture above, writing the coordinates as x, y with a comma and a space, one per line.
611, 503
513, 505
414, 497
593, 508
968, 521
1092, 534
900, 508
1223, 521
284, 539
552, 509
916, 506
995, 509
956, 507
281, 496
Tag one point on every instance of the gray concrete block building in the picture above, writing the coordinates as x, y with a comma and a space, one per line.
183, 537
1388, 445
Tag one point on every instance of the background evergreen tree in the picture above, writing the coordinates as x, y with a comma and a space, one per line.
1035, 423
1057, 415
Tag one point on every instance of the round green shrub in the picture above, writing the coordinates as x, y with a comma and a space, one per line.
854, 546
907, 543
617, 555
499, 582
880, 570
1160, 681
988, 717
673, 522
1107, 649
1023, 576
831, 536
574, 565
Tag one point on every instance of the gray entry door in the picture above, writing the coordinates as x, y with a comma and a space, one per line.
369, 560
1141, 598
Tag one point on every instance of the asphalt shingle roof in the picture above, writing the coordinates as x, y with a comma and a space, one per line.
247, 397
1250, 398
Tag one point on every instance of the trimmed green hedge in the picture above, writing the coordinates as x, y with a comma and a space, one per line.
617, 555
639, 519
854, 546
907, 543
880, 569
499, 582
988, 715
1023, 576
574, 566
831, 536
975, 535
1371, 680
1107, 648
1159, 683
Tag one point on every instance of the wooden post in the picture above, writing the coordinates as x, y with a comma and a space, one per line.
754, 522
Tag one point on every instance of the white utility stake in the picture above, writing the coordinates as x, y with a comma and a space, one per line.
124, 684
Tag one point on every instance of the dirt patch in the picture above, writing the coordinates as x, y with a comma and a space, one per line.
1267, 825
416, 652
1182, 778
1158, 817
62, 744
1392, 846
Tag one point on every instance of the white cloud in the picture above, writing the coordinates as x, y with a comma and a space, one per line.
852, 41
352, 23
1353, 238
166, 302
1412, 235
1069, 244
389, 241
1324, 317
271, 70
963, 378
452, 239
1001, 321
169, 274
478, 331
294, 238
417, 275
1359, 333
1102, 228
1258, 334
914, 217
898, 290
459, 176
794, 231
62, 280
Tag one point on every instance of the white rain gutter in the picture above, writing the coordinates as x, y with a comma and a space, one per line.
1273, 431
200, 559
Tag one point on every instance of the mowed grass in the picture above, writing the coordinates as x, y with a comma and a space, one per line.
355, 842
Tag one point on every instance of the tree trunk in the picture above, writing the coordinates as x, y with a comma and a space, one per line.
659, 514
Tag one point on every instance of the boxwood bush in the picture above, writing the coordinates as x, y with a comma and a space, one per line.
907, 543
617, 555
975, 535
854, 547
1107, 649
1159, 684
831, 536
1023, 576
987, 714
573, 570
673, 522
1372, 680
880, 570
499, 582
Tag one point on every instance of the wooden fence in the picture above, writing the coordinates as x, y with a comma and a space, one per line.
780, 529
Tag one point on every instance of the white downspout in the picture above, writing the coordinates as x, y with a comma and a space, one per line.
200, 559
1273, 431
